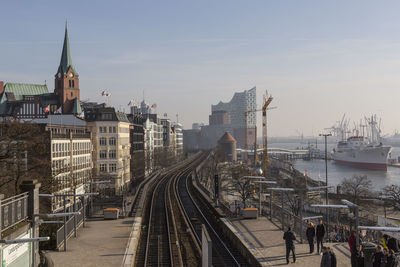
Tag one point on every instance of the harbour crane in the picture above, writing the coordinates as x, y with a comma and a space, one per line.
265, 161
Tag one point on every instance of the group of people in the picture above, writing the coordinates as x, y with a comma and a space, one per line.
383, 257
328, 256
317, 233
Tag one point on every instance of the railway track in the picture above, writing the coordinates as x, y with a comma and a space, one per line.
224, 254
160, 242
172, 219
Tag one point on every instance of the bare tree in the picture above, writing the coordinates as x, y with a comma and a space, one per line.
357, 186
164, 157
393, 193
24, 154
240, 185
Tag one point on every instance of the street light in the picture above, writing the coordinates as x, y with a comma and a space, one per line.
326, 175
326, 163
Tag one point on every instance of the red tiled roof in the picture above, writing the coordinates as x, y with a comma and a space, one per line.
227, 138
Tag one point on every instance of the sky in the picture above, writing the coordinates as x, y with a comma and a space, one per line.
318, 59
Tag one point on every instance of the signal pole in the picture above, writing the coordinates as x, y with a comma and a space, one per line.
216, 188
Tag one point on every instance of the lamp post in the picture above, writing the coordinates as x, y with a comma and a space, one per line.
326, 164
326, 177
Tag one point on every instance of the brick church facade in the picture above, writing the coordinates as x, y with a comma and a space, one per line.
27, 101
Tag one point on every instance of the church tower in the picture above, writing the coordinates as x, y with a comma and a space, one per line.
67, 81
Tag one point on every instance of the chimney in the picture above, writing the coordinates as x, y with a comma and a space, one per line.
1, 87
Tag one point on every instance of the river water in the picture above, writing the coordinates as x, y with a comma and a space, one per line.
336, 173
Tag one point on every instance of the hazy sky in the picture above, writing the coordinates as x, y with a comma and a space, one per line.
319, 59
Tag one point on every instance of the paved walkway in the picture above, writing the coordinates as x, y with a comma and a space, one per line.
100, 243
265, 240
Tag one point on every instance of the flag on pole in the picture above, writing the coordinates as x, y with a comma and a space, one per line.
59, 110
105, 93
47, 109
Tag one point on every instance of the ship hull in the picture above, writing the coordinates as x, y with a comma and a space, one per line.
363, 165
374, 158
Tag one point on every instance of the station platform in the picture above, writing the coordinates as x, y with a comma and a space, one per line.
100, 243
265, 241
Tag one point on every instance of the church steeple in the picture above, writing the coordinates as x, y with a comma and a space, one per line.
66, 59
66, 82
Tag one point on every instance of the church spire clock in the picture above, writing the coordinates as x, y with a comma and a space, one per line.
66, 83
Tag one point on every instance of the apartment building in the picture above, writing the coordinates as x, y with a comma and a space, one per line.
111, 155
70, 155
137, 145
178, 138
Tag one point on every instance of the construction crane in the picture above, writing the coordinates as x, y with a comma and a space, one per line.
265, 161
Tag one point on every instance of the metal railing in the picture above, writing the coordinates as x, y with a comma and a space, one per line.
70, 228
286, 218
14, 210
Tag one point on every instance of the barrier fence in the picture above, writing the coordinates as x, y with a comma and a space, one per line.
69, 227
14, 210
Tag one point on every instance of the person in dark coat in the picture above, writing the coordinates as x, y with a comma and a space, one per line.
352, 247
377, 258
391, 259
310, 233
326, 258
289, 237
359, 256
320, 235
333, 257
393, 244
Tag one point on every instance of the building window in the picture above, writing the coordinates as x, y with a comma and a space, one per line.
103, 154
112, 154
102, 129
73, 84
103, 141
112, 141
70, 84
110, 129
113, 167
103, 167
114, 129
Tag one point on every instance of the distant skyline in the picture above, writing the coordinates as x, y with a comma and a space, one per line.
318, 59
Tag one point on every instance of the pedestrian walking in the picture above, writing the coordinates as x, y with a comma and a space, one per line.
310, 234
378, 257
352, 247
289, 238
320, 235
326, 257
333, 257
